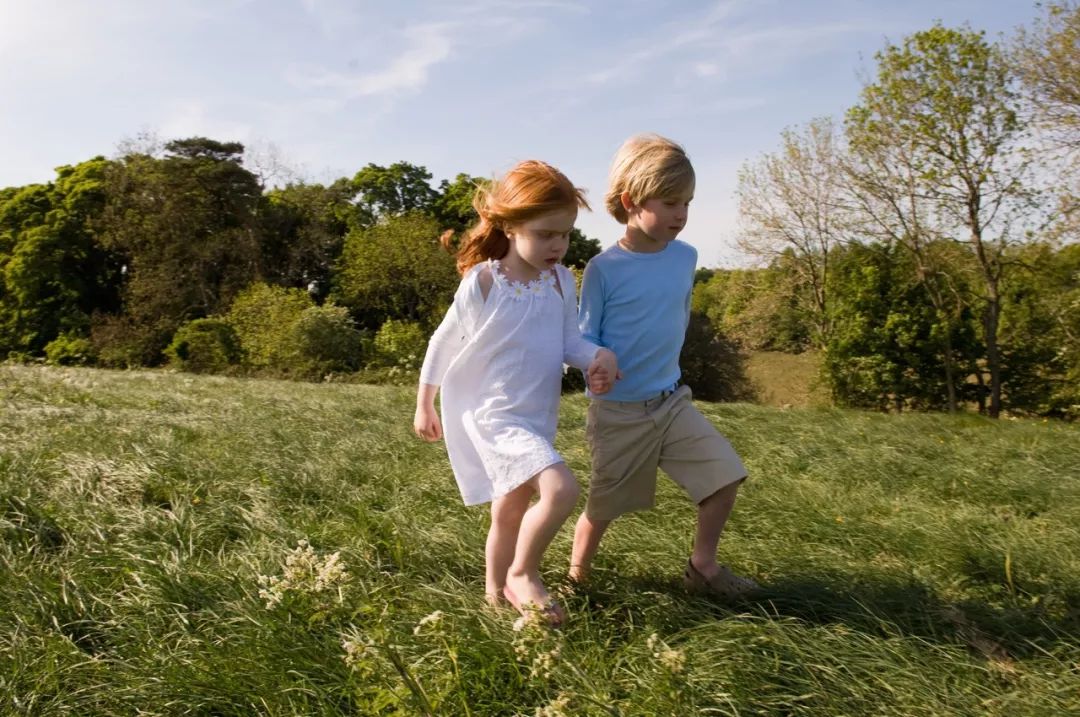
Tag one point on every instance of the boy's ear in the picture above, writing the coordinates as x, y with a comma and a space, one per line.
627, 202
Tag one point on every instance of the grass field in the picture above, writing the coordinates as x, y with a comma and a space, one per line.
787, 380
172, 544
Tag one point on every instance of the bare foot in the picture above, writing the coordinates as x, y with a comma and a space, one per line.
578, 574
494, 599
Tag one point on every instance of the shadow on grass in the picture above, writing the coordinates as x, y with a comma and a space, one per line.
888, 609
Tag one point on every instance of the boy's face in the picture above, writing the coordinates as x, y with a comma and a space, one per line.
660, 219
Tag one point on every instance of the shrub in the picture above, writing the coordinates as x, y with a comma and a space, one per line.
712, 364
399, 344
69, 350
324, 340
204, 346
264, 318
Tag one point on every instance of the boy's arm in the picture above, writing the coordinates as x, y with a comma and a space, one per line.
591, 309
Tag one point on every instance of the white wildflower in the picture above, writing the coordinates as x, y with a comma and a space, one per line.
433, 620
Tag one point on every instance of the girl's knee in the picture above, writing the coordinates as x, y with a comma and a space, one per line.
563, 490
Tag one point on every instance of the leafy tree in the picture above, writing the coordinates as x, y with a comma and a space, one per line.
453, 207
304, 228
53, 273
1047, 58
947, 97
385, 192
187, 225
884, 349
396, 269
582, 248
791, 202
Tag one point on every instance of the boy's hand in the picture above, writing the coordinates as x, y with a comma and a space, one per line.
603, 372
426, 423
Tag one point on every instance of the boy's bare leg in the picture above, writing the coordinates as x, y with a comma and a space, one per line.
506, 515
587, 534
558, 494
713, 513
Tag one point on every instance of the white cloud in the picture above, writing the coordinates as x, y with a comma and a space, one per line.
429, 45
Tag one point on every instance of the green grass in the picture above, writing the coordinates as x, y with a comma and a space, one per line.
915, 564
787, 380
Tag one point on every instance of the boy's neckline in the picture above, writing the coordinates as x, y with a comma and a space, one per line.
625, 246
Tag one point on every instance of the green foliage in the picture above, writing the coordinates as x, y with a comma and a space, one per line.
453, 208
582, 248
69, 350
385, 192
395, 270
399, 343
53, 272
713, 365
204, 346
304, 227
325, 341
757, 308
188, 225
886, 348
265, 319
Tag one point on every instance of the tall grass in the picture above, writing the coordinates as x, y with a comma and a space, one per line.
201, 545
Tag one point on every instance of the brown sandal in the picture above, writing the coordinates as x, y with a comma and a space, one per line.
725, 583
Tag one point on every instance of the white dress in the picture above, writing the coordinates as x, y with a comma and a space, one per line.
499, 363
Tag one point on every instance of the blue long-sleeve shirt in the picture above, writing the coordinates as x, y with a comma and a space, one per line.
638, 305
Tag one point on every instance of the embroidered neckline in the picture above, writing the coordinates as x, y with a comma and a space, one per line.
519, 291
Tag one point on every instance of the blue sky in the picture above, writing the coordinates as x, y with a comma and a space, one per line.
462, 86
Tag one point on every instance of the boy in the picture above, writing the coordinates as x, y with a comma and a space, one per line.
635, 300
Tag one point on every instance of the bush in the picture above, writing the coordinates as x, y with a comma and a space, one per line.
69, 350
120, 342
324, 340
399, 344
712, 364
264, 318
204, 346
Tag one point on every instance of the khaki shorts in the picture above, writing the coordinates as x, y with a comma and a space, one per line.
629, 440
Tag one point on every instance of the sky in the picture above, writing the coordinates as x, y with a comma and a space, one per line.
321, 88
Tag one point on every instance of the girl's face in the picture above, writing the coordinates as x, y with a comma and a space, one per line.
541, 243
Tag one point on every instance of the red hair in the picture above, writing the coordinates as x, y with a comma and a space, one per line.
530, 189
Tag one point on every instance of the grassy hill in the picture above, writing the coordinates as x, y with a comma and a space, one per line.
151, 562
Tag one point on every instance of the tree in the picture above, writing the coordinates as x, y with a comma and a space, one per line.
187, 225
1047, 58
453, 207
948, 97
582, 248
303, 231
53, 273
384, 192
396, 269
790, 201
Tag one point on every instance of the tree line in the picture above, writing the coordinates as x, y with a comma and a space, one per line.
921, 245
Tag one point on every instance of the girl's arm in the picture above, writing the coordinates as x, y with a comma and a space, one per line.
601, 368
444, 346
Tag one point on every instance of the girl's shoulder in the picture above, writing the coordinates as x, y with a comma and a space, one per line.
477, 282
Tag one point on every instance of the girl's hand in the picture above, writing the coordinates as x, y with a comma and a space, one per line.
426, 423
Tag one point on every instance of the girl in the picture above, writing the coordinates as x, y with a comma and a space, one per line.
498, 356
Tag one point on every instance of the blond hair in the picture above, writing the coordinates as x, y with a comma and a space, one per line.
647, 166
530, 189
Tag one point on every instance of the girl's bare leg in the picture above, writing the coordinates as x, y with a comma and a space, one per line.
558, 494
506, 515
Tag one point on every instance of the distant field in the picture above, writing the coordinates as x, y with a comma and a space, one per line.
789, 380
151, 563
